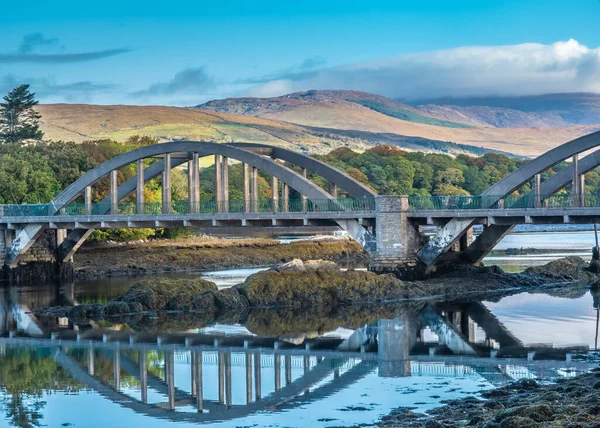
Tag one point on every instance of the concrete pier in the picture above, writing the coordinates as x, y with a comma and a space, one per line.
397, 238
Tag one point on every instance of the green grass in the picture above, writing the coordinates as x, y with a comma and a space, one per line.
408, 115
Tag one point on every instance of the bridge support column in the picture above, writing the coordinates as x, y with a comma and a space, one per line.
254, 189
397, 238
114, 193
194, 183
285, 197
303, 197
582, 190
218, 182
87, 200
537, 186
166, 185
225, 185
275, 193
575, 183
139, 187
246, 180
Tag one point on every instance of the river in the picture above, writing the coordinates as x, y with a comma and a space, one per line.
76, 384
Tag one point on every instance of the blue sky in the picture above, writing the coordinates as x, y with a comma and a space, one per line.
184, 53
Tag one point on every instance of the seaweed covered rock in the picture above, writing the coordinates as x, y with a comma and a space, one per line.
166, 293
572, 268
321, 287
220, 301
299, 265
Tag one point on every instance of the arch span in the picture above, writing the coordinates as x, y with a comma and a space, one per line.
457, 227
27, 236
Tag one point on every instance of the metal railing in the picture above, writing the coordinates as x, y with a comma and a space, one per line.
185, 207
506, 202
300, 205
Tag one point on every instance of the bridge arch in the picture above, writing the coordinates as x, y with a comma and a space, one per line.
457, 227
30, 233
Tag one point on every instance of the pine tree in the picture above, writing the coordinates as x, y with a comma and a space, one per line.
19, 122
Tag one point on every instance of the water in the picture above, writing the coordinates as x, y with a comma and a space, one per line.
424, 355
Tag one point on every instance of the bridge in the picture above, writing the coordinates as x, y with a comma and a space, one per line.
40, 240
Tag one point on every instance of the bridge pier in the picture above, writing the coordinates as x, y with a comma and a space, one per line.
39, 263
398, 239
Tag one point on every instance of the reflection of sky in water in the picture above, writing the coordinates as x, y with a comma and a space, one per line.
539, 318
363, 402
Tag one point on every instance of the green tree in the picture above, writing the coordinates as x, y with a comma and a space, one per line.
19, 122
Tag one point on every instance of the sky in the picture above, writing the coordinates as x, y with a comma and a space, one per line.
188, 52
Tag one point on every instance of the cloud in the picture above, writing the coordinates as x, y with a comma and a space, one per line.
61, 58
307, 69
524, 69
47, 88
35, 40
188, 81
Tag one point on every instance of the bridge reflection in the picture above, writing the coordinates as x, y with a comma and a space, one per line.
203, 375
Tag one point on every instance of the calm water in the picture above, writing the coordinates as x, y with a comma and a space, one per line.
425, 354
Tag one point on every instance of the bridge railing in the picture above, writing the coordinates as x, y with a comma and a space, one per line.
467, 202
185, 207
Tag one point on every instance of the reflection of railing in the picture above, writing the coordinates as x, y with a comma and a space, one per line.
185, 207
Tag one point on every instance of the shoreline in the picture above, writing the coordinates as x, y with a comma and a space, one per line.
205, 253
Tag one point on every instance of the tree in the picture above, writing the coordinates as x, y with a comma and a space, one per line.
19, 122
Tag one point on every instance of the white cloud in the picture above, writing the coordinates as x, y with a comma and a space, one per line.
525, 69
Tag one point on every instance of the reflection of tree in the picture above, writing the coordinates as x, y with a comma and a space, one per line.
24, 377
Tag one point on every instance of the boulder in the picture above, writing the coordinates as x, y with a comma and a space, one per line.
166, 293
321, 264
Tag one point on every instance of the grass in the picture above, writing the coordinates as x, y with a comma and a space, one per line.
408, 115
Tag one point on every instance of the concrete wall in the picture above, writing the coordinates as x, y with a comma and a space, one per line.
39, 263
398, 239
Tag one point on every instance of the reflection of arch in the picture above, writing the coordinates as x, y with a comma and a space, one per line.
279, 398
457, 227
31, 232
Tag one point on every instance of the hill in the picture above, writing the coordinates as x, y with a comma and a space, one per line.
497, 127
80, 122
553, 110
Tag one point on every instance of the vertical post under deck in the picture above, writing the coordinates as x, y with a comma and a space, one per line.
254, 189
303, 197
218, 182
275, 193
166, 185
225, 186
117, 370
575, 181
139, 189
87, 197
199, 399
285, 197
194, 183
246, 180
537, 186
582, 190
114, 195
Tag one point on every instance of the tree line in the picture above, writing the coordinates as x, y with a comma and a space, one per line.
33, 170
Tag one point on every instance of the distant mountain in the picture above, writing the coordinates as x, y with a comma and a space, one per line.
552, 110
542, 123
80, 122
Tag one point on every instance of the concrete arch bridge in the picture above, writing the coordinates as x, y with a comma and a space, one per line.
43, 238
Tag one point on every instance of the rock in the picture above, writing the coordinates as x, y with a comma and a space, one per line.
116, 308
166, 293
322, 287
83, 313
321, 264
291, 266
230, 300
